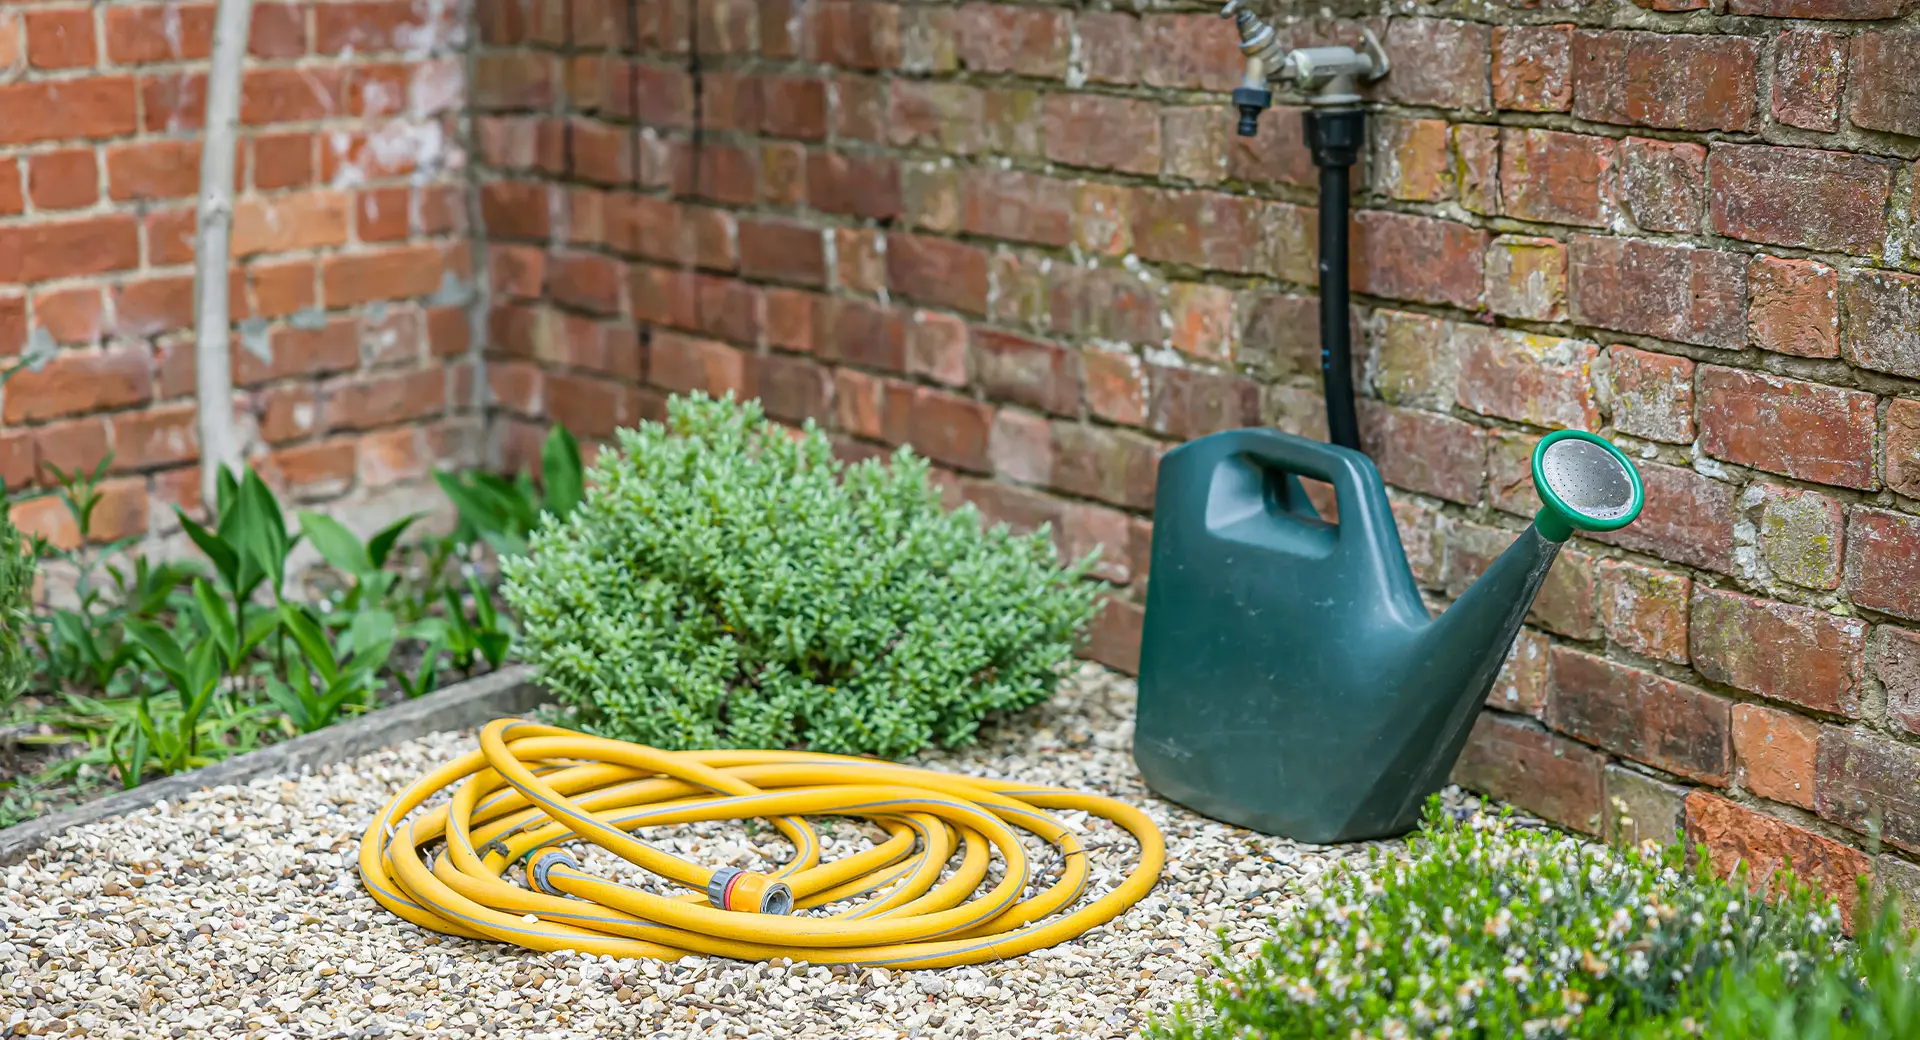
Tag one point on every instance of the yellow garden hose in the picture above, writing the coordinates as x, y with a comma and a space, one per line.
531, 788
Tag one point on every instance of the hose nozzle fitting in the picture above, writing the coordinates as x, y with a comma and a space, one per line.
733, 889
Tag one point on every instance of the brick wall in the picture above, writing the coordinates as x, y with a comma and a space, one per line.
1023, 238
351, 281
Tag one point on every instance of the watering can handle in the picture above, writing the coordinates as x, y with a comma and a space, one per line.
1356, 484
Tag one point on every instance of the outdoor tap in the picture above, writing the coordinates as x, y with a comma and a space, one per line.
1329, 75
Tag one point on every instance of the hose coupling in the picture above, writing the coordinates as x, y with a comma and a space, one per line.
547, 861
743, 890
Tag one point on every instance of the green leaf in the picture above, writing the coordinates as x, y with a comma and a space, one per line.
292, 703
203, 672
226, 561
476, 509
494, 647
162, 650
383, 541
218, 617
226, 491
337, 544
312, 641
560, 469
137, 758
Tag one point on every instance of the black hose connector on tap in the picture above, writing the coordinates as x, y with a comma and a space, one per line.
1251, 102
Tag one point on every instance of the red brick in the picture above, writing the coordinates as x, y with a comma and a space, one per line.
947, 428
285, 223
862, 333
1517, 761
794, 106
1413, 159
1863, 780
1883, 561
1787, 653
373, 401
1114, 638
856, 35
146, 33
170, 236
590, 283
1883, 322
1022, 447
1800, 197
393, 273
282, 287
153, 170
727, 175
1541, 380
68, 248
1185, 403
1026, 41
1406, 257
1883, 91
1527, 278
1766, 846
782, 252
1795, 307
13, 198
508, 81
1103, 218
75, 315
1086, 530
1019, 289
1202, 319
1016, 205
1280, 336
791, 389
287, 95
1277, 154
1645, 610
17, 465
1652, 394
1566, 604
155, 305
1802, 534
1830, 10
938, 271
685, 364
1663, 184
163, 436
60, 38
1105, 464
859, 261
1673, 82
1103, 133
1688, 519
1557, 178
1418, 525
1026, 372
790, 319
378, 26
858, 403
1903, 446
1197, 140
66, 179
1805, 430
1109, 46
1420, 451
1533, 67
1477, 175
937, 348
1809, 72
1445, 64
380, 215
1190, 52
77, 381
1776, 752
1674, 292
1895, 657
1115, 389
1639, 715
1196, 228
120, 513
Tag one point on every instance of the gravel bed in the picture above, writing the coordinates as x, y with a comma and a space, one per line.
239, 912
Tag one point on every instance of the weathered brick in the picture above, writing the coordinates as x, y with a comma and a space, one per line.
1016, 205
1527, 278
1405, 257
1903, 446
1197, 228
1433, 454
1799, 429
367, 402
1477, 173
1894, 655
1836, 10
1187, 403
1027, 41
1883, 90
1795, 307
1195, 143
1663, 184
1641, 809
1109, 45
1189, 52
1766, 846
1103, 218
1673, 82
1413, 361
1103, 133
1675, 292
1652, 394
1107, 303
1557, 178
1114, 638
1864, 779
1018, 293
854, 34
63, 179
1779, 651
1280, 336
1115, 386
1800, 197
1665, 724
1026, 372
1105, 464
938, 271
852, 185
1533, 68
1021, 446
1566, 603
1881, 324
1645, 610
68, 248
1775, 752
1518, 761
1809, 73
1688, 518
77, 381
948, 428
1412, 160
1802, 534
1510, 472
862, 333
1883, 560
1542, 380
1446, 64
1202, 318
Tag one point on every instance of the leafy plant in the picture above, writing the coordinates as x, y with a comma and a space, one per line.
363, 563
16, 610
502, 512
325, 678
725, 585
1484, 929
248, 544
194, 675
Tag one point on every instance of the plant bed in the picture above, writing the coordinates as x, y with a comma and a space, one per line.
239, 909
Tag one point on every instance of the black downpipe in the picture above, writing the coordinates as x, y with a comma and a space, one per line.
1335, 136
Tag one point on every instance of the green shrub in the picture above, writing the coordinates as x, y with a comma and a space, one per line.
724, 584
16, 610
1486, 929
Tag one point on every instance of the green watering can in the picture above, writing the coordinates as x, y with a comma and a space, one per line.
1291, 679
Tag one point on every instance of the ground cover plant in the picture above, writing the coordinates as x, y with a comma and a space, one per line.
1486, 928
724, 583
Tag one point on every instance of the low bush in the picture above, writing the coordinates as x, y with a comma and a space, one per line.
1487, 929
16, 609
725, 584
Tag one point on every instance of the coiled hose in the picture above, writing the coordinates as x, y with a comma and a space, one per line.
531, 788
